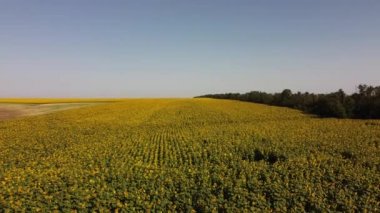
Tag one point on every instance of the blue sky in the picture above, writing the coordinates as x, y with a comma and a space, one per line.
162, 48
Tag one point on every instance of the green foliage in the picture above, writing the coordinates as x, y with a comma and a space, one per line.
328, 107
365, 104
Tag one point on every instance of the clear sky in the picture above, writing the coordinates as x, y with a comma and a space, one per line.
178, 48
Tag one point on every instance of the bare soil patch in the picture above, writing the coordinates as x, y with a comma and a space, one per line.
9, 111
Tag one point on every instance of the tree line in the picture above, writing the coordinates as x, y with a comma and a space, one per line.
365, 103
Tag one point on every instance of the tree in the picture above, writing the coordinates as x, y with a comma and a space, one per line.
329, 107
365, 103
285, 98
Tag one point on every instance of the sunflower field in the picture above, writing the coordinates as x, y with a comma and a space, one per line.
188, 155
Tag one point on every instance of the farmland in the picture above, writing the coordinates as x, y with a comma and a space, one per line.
187, 155
14, 110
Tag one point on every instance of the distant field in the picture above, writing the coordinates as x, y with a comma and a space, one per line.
54, 100
186, 155
14, 107
15, 110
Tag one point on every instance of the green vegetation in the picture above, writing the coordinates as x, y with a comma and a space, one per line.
188, 155
364, 104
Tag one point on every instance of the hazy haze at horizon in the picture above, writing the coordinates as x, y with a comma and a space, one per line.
186, 48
